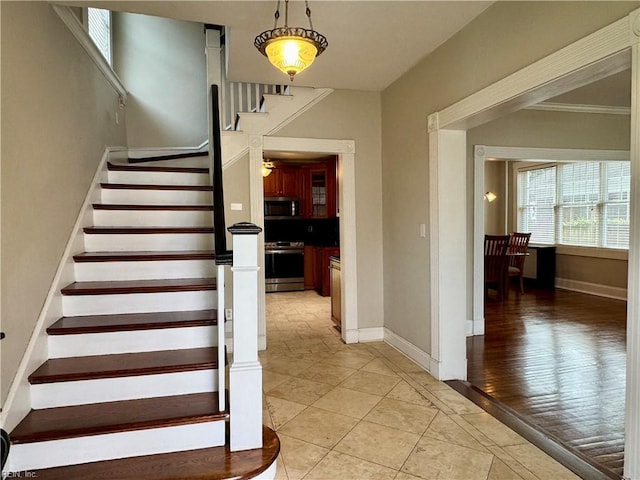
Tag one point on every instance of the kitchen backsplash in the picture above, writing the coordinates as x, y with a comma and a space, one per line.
320, 232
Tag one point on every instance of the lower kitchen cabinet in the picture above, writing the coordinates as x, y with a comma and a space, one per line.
316, 268
310, 267
335, 281
322, 262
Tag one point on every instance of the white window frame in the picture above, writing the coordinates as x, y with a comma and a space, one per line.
600, 250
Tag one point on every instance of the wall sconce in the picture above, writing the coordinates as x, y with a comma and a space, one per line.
490, 196
266, 168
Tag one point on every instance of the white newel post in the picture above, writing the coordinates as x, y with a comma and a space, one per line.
245, 373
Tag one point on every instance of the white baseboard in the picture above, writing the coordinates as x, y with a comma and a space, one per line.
617, 293
409, 349
373, 334
469, 328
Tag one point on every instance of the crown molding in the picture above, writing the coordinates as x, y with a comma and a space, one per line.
581, 108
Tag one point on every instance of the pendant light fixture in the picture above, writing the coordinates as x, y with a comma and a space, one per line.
291, 49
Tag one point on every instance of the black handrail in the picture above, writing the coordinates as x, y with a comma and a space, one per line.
223, 255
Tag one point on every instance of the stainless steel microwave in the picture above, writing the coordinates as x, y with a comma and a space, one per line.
278, 208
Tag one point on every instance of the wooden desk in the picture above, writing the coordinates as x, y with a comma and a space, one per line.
540, 266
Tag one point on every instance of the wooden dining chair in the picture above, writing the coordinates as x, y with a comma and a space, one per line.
518, 245
495, 263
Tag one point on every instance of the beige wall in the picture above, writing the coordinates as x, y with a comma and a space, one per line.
494, 212
354, 115
505, 38
162, 63
58, 115
531, 128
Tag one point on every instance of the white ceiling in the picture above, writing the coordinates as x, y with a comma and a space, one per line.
371, 43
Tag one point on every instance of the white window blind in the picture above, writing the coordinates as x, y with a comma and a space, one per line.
536, 203
581, 203
579, 207
99, 28
617, 192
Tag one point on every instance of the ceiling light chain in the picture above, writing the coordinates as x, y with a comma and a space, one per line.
308, 12
276, 15
291, 49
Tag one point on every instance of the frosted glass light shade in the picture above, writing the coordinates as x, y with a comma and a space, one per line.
291, 54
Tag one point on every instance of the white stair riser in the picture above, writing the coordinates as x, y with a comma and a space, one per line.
78, 305
152, 218
115, 271
80, 392
159, 178
155, 197
98, 242
108, 343
93, 448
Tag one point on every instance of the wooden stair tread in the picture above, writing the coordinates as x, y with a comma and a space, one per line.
140, 286
124, 365
204, 464
121, 416
147, 168
146, 230
118, 206
144, 256
137, 186
132, 321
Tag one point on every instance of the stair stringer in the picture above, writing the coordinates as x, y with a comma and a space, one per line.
18, 403
277, 112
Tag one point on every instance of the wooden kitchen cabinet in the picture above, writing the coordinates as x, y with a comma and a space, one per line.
335, 281
283, 182
319, 190
310, 267
323, 285
315, 185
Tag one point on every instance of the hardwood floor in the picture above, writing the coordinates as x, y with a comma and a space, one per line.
558, 358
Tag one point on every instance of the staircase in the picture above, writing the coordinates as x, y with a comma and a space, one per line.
274, 112
129, 388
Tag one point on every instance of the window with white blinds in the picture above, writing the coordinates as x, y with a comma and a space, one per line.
536, 203
99, 28
583, 203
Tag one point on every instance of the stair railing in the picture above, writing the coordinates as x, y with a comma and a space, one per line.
235, 97
240, 97
245, 372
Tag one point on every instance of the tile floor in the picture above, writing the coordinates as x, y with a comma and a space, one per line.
365, 411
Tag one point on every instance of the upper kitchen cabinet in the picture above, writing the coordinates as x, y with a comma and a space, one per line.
314, 183
319, 190
283, 182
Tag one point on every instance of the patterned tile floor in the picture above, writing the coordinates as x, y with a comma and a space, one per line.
365, 411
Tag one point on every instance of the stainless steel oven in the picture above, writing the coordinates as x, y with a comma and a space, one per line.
284, 266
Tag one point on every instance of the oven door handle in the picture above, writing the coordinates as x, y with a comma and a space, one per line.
283, 252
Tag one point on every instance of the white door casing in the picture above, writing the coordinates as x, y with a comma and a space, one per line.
345, 150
